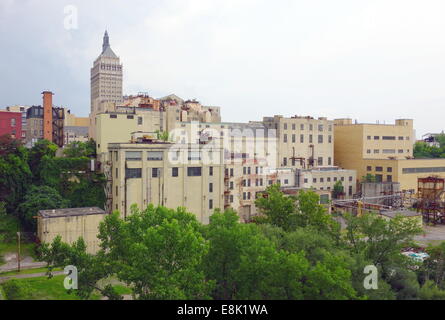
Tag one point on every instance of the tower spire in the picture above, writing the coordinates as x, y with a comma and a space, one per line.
106, 42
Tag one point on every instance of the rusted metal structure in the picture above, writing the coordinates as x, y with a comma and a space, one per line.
431, 194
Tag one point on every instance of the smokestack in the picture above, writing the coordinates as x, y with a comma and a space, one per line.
48, 115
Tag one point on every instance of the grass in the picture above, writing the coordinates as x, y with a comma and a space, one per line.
26, 249
42, 288
120, 289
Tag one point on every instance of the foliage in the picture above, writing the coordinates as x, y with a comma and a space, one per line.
338, 190
424, 150
42, 149
78, 149
278, 208
39, 198
162, 135
369, 178
17, 290
8, 225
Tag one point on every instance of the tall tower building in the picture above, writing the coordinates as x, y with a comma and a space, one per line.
106, 82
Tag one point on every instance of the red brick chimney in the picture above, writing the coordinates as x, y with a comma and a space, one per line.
48, 115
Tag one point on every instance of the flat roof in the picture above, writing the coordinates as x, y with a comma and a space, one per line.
70, 212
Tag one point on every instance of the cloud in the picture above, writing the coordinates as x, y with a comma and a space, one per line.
371, 61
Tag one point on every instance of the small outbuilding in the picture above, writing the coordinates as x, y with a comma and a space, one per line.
71, 224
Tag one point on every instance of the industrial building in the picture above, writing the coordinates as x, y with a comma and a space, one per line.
71, 224
11, 123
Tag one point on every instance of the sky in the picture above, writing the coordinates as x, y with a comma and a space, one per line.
369, 60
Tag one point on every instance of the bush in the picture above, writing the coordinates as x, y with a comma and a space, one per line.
16, 290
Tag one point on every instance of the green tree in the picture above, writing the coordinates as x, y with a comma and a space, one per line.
157, 251
338, 190
42, 148
278, 208
17, 290
79, 149
369, 178
39, 198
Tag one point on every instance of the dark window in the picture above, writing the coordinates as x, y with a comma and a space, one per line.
131, 173
210, 204
139, 120
210, 171
376, 137
350, 190
379, 169
210, 187
175, 172
320, 138
389, 178
194, 171
133, 155
113, 116
155, 172
130, 117
388, 138
389, 169
231, 172
378, 178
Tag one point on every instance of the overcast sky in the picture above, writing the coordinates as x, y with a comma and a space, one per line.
364, 59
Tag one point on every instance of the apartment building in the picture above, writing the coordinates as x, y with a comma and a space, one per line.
149, 171
11, 123
22, 110
324, 179
303, 142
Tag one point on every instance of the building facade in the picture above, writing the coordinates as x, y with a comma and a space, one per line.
172, 175
106, 81
11, 123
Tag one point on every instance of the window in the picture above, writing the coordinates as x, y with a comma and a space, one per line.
379, 169
350, 178
376, 151
248, 170
369, 137
320, 127
284, 161
270, 182
302, 138
400, 138
378, 178
133, 155
194, 155
389, 151
113, 116
175, 172
131, 173
231, 198
320, 138
210, 171
231, 185
376, 137
194, 171
231, 172
285, 126
117, 191
330, 139
305, 180
12, 122
302, 126
293, 126
423, 170
293, 138
320, 161
248, 195
155, 172
324, 199
244, 195
310, 138
311, 127
130, 117
210, 204
389, 169
314, 180
210, 187
116, 173
350, 190
286, 181
388, 138
285, 138
155, 155
342, 178
389, 178
329, 161
368, 168
244, 170
400, 150
139, 120
368, 151
321, 180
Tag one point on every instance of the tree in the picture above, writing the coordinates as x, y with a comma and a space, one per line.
41, 149
15, 174
79, 149
369, 178
278, 208
162, 135
338, 190
433, 268
158, 252
39, 198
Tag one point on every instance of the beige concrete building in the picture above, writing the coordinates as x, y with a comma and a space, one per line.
324, 179
71, 224
404, 171
383, 150
173, 175
355, 142
303, 142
